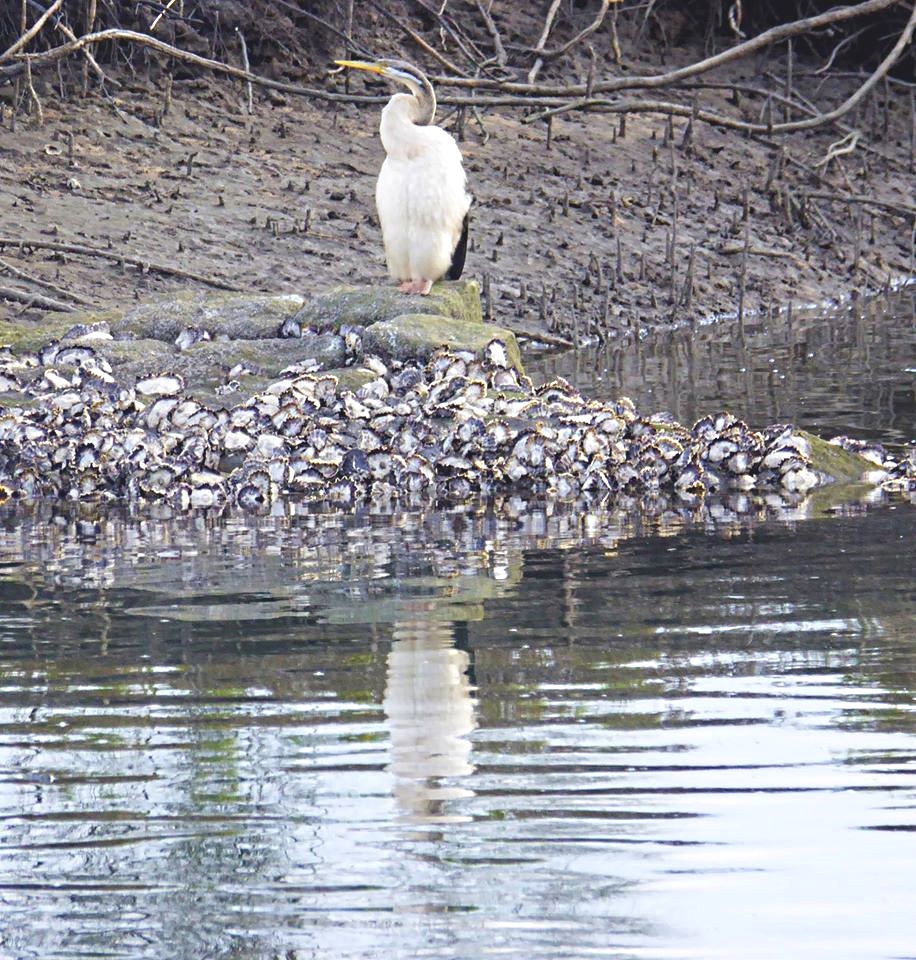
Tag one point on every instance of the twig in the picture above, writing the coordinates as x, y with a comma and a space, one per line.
90, 26
901, 209
247, 67
498, 47
300, 11
418, 40
109, 254
161, 14
33, 96
587, 32
27, 37
464, 43
839, 148
34, 300
545, 33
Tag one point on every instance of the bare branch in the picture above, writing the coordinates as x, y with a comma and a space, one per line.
34, 300
112, 254
588, 103
545, 33
498, 47
587, 32
32, 32
654, 81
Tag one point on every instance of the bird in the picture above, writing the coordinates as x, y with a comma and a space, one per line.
421, 194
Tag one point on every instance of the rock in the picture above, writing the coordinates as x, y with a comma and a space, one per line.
133, 359
237, 316
266, 357
28, 336
421, 334
364, 306
840, 465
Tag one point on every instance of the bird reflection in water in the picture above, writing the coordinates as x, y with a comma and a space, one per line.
430, 710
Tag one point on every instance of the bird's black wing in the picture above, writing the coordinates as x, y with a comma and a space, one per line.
460, 252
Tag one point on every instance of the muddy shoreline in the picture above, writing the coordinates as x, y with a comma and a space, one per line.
614, 228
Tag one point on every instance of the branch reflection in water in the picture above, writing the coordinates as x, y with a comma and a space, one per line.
430, 710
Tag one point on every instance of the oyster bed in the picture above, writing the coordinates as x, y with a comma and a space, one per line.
455, 426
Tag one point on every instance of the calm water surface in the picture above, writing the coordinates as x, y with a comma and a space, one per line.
851, 371
458, 735
492, 731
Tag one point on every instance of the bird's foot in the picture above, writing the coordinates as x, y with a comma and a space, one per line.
421, 287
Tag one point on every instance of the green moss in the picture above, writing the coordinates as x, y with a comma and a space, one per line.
238, 316
364, 306
840, 464
28, 336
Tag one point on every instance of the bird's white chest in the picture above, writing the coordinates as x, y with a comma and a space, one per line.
420, 189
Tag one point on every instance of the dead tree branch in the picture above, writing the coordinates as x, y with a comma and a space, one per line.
111, 254
34, 300
32, 32
545, 33
587, 32
809, 123
672, 77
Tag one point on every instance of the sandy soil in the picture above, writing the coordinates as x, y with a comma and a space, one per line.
595, 233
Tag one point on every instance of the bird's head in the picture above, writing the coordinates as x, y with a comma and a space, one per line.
400, 71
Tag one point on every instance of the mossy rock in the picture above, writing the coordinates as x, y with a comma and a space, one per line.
364, 306
238, 316
418, 335
133, 359
267, 357
839, 464
29, 336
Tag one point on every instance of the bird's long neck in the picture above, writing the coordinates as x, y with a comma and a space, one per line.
404, 116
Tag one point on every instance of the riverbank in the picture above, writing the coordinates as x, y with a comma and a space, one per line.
615, 226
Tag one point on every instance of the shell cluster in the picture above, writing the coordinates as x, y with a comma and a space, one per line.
452, 427
894, 473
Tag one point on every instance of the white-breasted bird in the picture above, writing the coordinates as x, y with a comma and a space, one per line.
420, 195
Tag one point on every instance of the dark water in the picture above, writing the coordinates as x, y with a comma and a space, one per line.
849, 371
510, 732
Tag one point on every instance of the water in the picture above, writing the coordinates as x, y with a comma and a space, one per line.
852, 371
457, 734
494, 730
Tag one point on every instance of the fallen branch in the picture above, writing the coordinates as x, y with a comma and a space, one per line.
731, 249
89, 251
34, 300
901, 209
22, 275
48, 57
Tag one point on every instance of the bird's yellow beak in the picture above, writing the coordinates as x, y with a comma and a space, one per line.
361, 65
